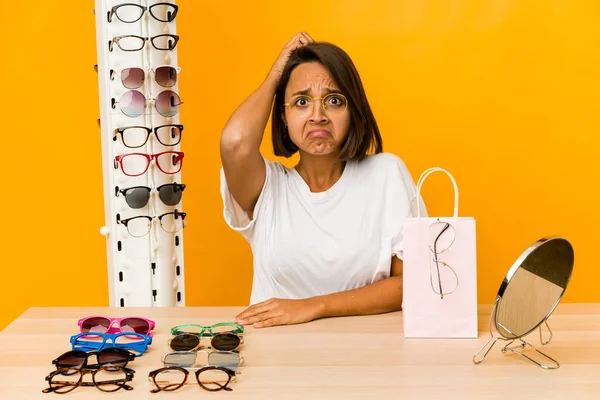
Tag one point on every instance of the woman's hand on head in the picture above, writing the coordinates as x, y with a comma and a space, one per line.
279, 312
299, 40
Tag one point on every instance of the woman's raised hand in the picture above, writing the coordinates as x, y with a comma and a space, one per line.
299, 40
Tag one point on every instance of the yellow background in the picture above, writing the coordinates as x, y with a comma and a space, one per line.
502, 93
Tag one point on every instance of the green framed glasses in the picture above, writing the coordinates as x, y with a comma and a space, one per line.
224, 336
210, 330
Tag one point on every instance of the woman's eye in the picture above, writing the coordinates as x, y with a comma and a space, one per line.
335, 101
302, 101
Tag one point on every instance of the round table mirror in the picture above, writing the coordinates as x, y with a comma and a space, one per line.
528, 295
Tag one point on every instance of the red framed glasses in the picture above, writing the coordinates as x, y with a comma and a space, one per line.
136, 164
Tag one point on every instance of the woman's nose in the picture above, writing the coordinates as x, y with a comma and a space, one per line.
318, 114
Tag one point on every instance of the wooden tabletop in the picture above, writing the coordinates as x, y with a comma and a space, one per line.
346, 358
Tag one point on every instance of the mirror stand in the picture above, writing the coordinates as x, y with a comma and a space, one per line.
517, 349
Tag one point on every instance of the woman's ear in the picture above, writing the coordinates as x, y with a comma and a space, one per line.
283, 119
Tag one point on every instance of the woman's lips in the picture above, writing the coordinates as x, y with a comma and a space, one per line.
319, 133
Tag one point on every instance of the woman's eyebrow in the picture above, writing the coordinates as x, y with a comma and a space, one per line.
307, 91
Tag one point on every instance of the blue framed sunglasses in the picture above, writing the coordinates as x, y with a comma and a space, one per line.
136, 343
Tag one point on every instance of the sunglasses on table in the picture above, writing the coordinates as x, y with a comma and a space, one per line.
208, 330
133, 103
136, 43
133, 78
170, 222
137, 136
172, 378
129, 12
107, 378
224, 336
98, 324
138, 196
79, 359
225, 341
136, 343
136, 164
188, 359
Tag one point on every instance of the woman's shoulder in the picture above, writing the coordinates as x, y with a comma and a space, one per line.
275, 167
384, 169
381, 162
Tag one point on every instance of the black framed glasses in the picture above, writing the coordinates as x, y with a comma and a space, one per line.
106, 378
79, 359
139, 226
136, 43
211, 378
138, 196
129, 12
137, 136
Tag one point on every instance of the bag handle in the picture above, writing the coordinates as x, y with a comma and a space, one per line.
424, 176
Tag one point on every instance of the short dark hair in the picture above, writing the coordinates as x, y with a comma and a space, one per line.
363, 134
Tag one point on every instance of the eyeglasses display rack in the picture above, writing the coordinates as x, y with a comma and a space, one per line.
141, 132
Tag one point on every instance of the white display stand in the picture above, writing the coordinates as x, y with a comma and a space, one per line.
142, 271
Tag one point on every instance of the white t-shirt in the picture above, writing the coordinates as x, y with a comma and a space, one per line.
307, 244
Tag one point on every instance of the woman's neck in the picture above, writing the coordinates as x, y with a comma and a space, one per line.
320, 172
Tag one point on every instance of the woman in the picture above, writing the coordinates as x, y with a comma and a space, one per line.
325, 235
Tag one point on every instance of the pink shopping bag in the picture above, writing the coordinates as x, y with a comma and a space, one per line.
440, 273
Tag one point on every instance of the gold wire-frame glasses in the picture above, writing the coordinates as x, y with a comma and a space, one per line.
303, 105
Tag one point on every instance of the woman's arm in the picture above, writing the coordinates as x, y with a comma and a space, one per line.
243, 165
379, 297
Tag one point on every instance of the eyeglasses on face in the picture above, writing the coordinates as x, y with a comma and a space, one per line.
139, 226
137, 136
138, 196
133, 103
443, 278
302, 106
211, 378
136, 164
134, 77
107, 378
136, 43
129, 12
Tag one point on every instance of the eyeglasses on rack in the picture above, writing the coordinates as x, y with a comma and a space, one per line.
133, 103
140, 226
137, 136
164, 41
129, 12
136, 164
138, 196
134, 77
